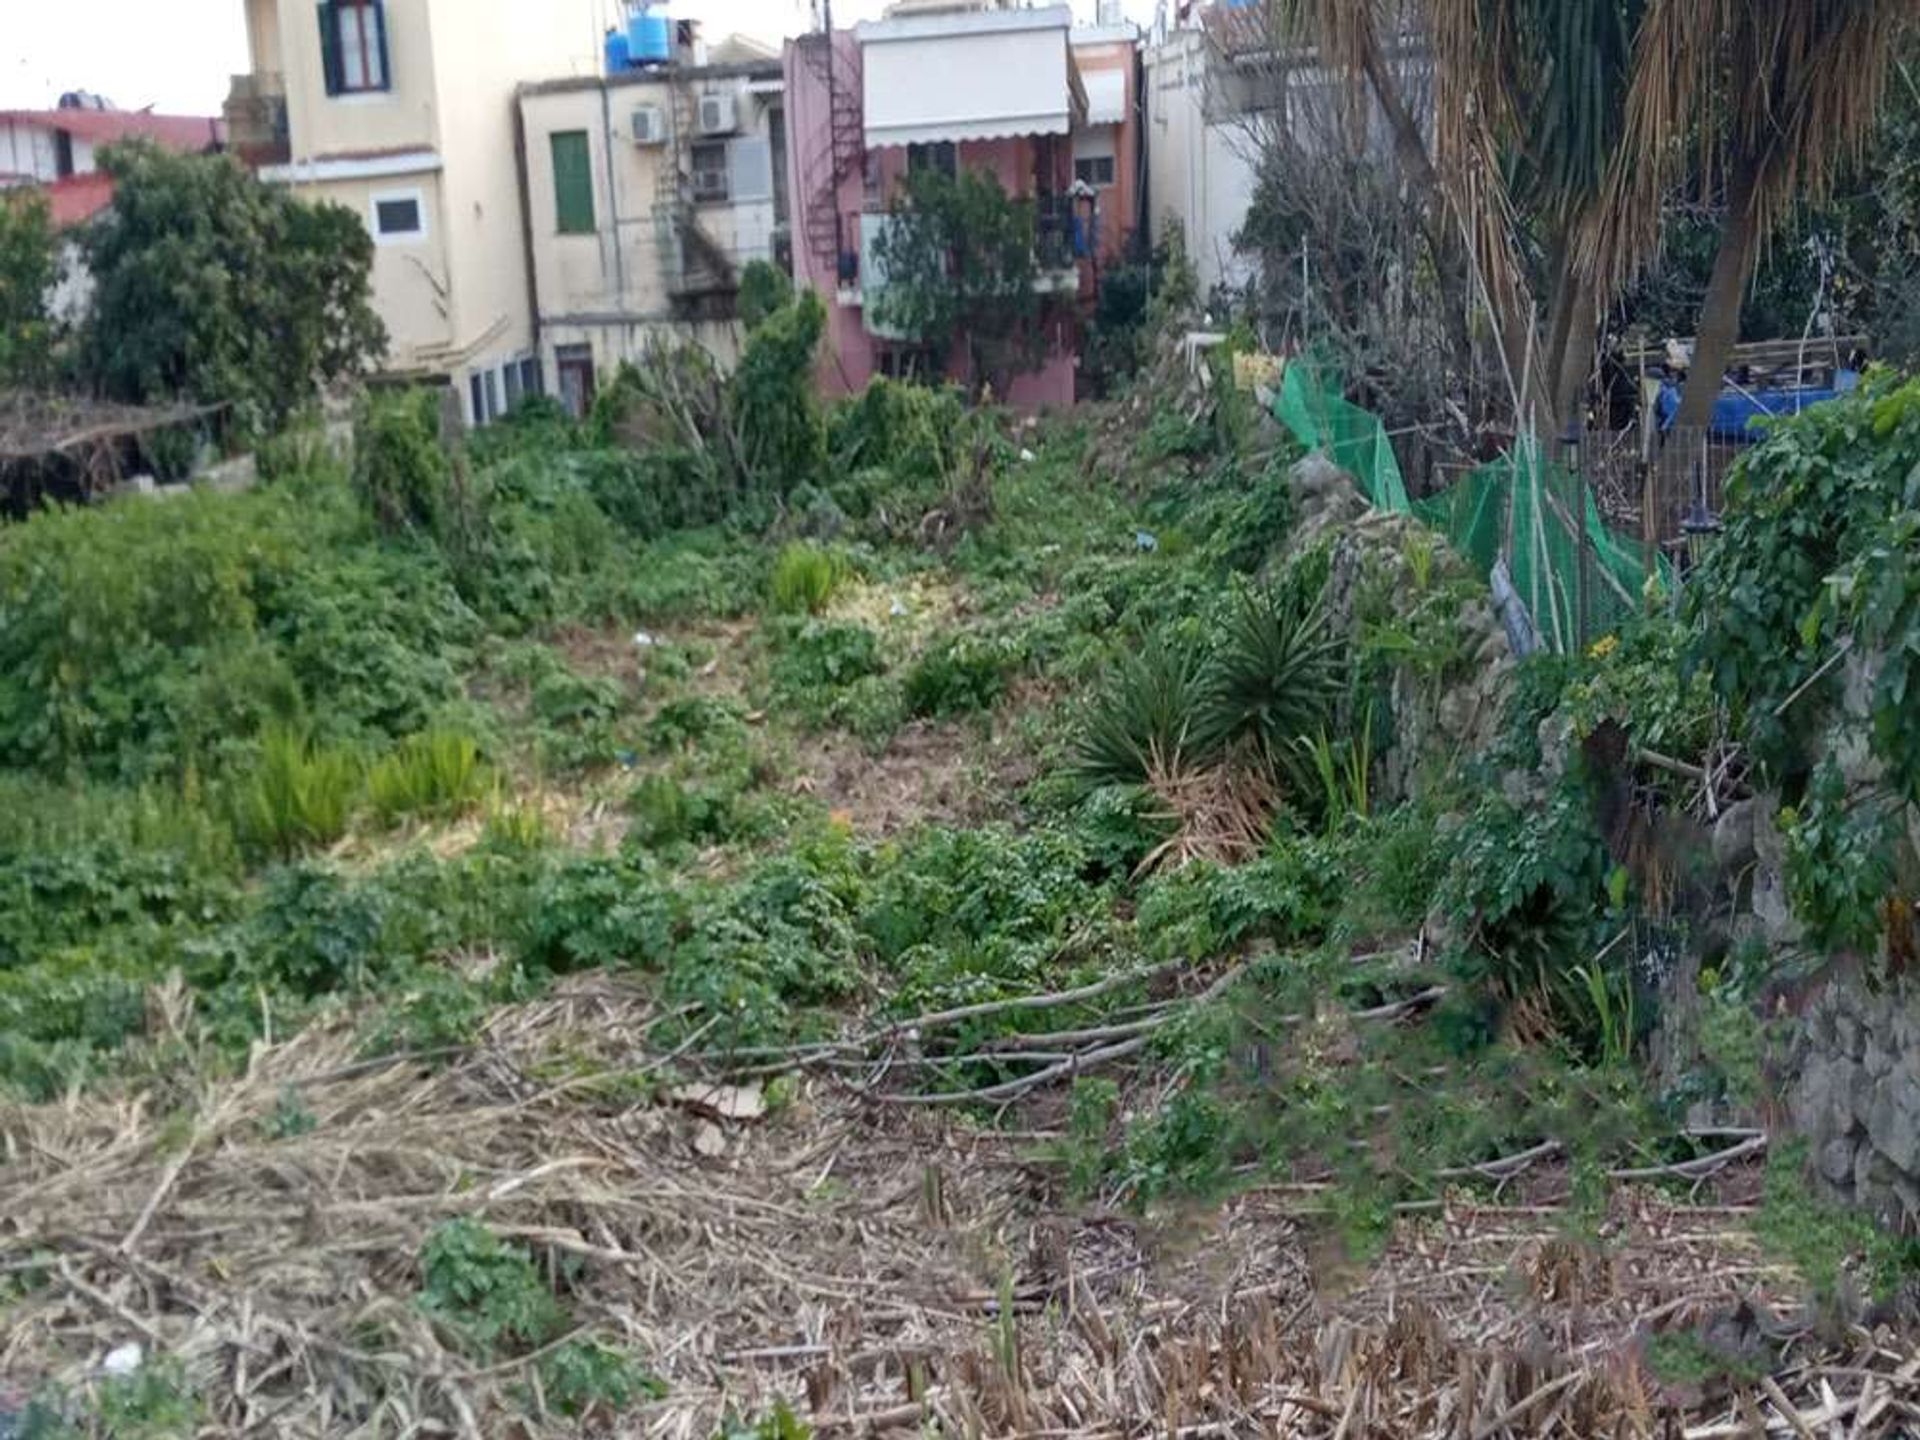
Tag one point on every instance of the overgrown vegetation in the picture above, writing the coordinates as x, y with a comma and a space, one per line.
843, 734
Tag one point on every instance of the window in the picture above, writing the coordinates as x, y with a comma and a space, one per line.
572, 183
399, 216
493, 395
477, 393
62, 154
1095, 170
532, 382
711, 184
941, 156
353, 46
511, 374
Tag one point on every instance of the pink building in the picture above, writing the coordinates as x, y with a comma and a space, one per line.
960, 84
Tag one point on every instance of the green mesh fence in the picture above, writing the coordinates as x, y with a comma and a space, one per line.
1521, 507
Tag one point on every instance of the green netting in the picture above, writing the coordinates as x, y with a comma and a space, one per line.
1520, 507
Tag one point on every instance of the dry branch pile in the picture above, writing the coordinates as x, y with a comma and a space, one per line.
877, 1267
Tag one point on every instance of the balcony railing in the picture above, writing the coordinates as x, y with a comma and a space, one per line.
256, 113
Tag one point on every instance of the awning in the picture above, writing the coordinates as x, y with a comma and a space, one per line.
1106, 96
979, 75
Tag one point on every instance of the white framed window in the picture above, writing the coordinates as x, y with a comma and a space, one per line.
399, 216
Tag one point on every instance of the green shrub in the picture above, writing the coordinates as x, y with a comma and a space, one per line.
668, 812
113, 621
897, 429
298, 794
817, 657
401, 471
486, 1292
959, 674
584, 1380
437, 772
773, 402
804, 580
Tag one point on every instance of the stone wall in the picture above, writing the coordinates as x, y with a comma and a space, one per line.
1456, 714
1854, 1092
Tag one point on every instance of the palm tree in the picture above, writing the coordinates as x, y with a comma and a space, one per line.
1528, 121
1779, 95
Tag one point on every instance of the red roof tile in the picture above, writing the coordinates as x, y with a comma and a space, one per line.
97, 127
78, 198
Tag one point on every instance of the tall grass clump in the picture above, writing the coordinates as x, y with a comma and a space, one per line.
804, 580
298, 795
435, 773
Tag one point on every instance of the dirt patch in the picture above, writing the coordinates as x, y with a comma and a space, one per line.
930, 772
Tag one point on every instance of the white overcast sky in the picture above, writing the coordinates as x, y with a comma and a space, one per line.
177, 56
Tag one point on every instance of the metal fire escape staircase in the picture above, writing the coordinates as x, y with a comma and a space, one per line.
835, 251
696, 267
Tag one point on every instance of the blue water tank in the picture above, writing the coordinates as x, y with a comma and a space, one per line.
649, 37
619, 52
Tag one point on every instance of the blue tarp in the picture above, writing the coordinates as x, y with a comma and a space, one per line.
1736, 412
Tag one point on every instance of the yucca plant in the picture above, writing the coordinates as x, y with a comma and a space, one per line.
1276, 676
1146, 718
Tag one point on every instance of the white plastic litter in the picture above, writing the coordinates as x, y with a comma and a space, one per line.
123, 1360
643, 641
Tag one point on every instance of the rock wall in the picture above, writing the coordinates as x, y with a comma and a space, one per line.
1854, 1092
1445, 718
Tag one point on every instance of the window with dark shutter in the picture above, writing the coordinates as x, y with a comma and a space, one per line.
353, 46
572, 183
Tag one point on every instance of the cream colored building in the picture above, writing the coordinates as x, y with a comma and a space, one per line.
647, 194
404, 111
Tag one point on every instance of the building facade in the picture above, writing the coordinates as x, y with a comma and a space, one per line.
54, 150
405, 112
958, 86
647, 192
1222, 91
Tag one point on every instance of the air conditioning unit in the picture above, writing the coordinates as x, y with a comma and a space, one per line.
719, 114
649, 125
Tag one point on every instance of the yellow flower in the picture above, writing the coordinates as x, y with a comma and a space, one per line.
1603, 647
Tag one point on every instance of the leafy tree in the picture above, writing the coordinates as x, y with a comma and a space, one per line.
958, 261
214, 287
764, 288
28, 270
782, 434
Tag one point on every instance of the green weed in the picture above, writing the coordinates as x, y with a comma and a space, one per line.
958, 675
487, 1293
299, 794
804, 580
437, 773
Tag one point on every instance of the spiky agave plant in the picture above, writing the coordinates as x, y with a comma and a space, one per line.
1276, 675
1146, 718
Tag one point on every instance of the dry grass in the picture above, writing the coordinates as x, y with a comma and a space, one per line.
854, 1260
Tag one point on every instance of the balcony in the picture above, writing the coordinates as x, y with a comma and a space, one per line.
256, 113
1064, 244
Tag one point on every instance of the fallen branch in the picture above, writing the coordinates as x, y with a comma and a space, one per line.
1695, 1169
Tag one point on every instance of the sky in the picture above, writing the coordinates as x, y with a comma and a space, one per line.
178, 56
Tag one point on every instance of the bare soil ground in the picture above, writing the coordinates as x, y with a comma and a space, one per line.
880, 1268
